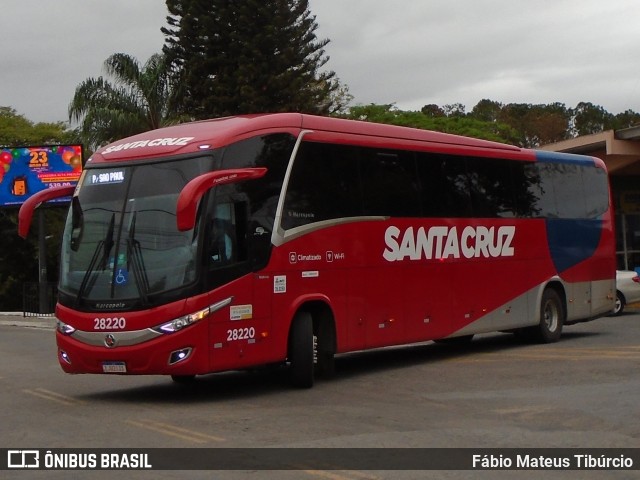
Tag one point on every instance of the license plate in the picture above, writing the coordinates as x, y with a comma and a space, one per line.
114, 367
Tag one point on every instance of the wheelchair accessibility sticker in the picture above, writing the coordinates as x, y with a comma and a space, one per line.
122, 277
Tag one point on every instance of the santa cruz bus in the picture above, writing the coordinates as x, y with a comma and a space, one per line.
287, 239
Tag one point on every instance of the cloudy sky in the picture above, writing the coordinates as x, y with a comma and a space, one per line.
410, 52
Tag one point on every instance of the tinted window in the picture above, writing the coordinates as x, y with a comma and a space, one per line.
596, 187
272, 152
567, 190
491, 187
324, 184
444, 185
527, 189
390, 183
338, 181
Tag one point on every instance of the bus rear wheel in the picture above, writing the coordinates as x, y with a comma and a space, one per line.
552, 314
302, 351
462, 340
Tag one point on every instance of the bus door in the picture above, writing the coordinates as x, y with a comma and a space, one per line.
234, 253
240, 335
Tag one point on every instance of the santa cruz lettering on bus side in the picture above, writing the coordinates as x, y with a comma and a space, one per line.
442, 242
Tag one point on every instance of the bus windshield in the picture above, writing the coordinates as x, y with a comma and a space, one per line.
121, 240
124, 247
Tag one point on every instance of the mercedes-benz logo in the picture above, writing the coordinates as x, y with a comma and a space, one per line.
110, 340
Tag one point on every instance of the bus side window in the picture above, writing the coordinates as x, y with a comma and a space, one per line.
389, 183
222, 243
241, 214
228, 234
445, 185
324, 185
222, 246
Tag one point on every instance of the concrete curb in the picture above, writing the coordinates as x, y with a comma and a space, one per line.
17, 319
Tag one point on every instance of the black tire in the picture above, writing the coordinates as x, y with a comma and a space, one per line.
325, 350
184, 379
463, 340
301, 351
552, 316
620, 304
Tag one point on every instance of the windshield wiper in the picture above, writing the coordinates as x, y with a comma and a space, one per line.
136, 262
103, 247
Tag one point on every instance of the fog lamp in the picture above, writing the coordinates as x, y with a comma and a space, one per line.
179, 355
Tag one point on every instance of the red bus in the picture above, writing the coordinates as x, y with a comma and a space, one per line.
287, 239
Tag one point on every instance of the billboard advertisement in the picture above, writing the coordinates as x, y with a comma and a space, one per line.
27, 170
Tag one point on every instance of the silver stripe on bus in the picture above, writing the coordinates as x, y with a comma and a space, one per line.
132, 337
123, 339
292, 233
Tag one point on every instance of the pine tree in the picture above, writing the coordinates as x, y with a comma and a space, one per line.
248, 57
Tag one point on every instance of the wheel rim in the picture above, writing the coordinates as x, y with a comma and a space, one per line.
550, 316
618, 304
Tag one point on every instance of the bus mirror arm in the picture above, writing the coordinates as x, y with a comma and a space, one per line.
194, 191
26, 210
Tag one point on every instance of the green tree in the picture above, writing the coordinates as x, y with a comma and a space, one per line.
340, 99
486, 110
589, 118
375, 113
455, 124
551, 123
16, 130
139, 98
433, 110
454, 110
249, 57
626, 119
537, 124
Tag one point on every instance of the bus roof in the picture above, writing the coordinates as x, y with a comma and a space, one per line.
209, 134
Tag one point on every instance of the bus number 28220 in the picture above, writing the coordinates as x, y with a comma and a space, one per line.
240, 334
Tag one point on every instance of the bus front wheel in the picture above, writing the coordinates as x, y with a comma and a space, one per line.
301, 351
184, 379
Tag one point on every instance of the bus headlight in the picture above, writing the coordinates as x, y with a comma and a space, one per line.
182, 322
64, 328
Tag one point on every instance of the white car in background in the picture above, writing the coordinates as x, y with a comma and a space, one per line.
627, 290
